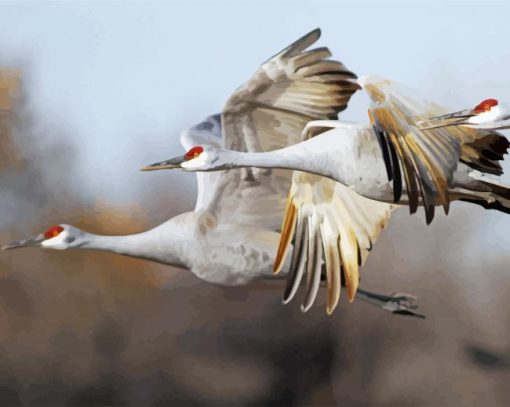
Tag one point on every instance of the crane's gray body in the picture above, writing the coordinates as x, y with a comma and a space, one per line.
226, 253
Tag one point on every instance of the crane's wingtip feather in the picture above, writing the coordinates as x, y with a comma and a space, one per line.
305, 308
288, 228
317, 31
315, 34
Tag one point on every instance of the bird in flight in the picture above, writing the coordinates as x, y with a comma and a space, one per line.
349, 177
232, 235
488, 114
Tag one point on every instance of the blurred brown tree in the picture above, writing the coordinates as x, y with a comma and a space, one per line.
10, 92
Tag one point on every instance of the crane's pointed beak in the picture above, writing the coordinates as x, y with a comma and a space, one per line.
446, 120
34, 241
164, 165
464, 114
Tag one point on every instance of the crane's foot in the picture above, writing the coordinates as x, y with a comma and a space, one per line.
396, 303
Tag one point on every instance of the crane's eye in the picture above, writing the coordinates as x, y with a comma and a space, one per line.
53, 231
485, 106
193, 153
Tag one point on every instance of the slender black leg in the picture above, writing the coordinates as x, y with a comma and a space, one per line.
396, 303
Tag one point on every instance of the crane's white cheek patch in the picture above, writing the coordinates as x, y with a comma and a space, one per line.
197, 162
58, 242
491, 116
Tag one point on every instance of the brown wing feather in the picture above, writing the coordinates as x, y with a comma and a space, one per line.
428, 157
332, 260
287, 233
288, 90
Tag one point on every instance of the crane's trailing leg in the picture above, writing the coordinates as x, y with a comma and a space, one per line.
396, 303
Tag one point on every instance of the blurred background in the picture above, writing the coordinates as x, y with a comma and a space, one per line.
90, 92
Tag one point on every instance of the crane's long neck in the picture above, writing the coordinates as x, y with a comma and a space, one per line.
292, 158
351, 156
167, 243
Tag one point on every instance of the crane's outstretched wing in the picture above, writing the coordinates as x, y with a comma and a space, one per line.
287, 91
330, 223
269, 111
425, 159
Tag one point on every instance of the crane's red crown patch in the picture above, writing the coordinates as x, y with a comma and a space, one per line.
194, 152
485, 105
53, 231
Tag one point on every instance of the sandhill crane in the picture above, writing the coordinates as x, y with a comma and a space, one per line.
488, 114
391, 160
232, 234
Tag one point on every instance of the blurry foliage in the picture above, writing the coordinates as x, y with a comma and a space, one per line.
10, 93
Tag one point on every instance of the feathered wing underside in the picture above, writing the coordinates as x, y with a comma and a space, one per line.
288, 90
333, 229
425, 159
